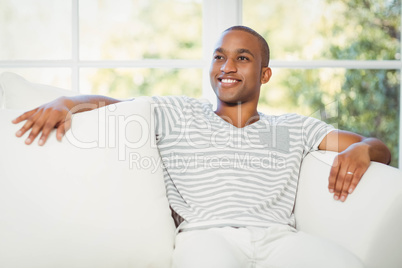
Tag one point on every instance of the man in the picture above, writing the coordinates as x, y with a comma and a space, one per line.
233, 191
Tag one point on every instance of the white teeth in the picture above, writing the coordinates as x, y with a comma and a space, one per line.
228, 81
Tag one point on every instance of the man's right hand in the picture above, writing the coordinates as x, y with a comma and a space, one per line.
55, 114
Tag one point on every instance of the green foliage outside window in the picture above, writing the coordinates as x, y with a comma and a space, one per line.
145, 29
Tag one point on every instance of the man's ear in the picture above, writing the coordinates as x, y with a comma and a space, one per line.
266, 74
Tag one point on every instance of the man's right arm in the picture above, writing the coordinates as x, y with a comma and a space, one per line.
57, 114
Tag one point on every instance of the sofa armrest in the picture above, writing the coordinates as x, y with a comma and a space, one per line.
96, 199
368, 223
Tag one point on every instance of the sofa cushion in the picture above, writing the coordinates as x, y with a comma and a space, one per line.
96, 199
18, 93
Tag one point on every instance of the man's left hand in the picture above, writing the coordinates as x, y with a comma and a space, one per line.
348, 169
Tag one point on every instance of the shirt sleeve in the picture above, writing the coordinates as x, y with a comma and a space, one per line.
314, 131
168, 111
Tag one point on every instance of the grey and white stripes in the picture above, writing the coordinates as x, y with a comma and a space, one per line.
220, 175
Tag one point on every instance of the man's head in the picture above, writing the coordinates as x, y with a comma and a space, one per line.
265, 53
239, 66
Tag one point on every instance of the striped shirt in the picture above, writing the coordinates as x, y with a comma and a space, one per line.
219, 175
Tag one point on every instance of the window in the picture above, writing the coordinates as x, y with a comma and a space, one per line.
114, 47
339, 60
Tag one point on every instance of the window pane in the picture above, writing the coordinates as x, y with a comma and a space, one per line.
361, 101
35, 30
327, 29
138, 29
125, 83
58, 77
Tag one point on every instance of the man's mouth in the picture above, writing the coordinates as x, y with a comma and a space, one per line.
228, 81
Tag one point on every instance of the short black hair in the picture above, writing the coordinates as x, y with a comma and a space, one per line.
265, 54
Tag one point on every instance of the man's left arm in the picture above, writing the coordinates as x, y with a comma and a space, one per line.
355, 154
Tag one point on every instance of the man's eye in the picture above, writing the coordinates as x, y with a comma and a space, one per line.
218, 57
243, 58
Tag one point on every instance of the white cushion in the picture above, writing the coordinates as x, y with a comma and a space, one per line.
368, 223
18, 93
96, 199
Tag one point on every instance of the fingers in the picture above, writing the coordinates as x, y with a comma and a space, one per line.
31, 121
36, 124
343, 192
333, 175
341, 183
54, 119
343, 178
357, 175
43, 121
24, 116
62, 129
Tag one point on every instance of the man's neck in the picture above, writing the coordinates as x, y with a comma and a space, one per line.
239, 115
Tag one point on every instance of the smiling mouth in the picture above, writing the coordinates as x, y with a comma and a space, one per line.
228, 81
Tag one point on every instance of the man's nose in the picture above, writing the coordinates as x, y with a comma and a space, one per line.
229, 66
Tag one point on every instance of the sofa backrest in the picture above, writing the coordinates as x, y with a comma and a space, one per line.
18, 93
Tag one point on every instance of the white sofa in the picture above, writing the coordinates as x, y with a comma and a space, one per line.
97, 199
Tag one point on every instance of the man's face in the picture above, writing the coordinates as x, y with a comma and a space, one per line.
236, 72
